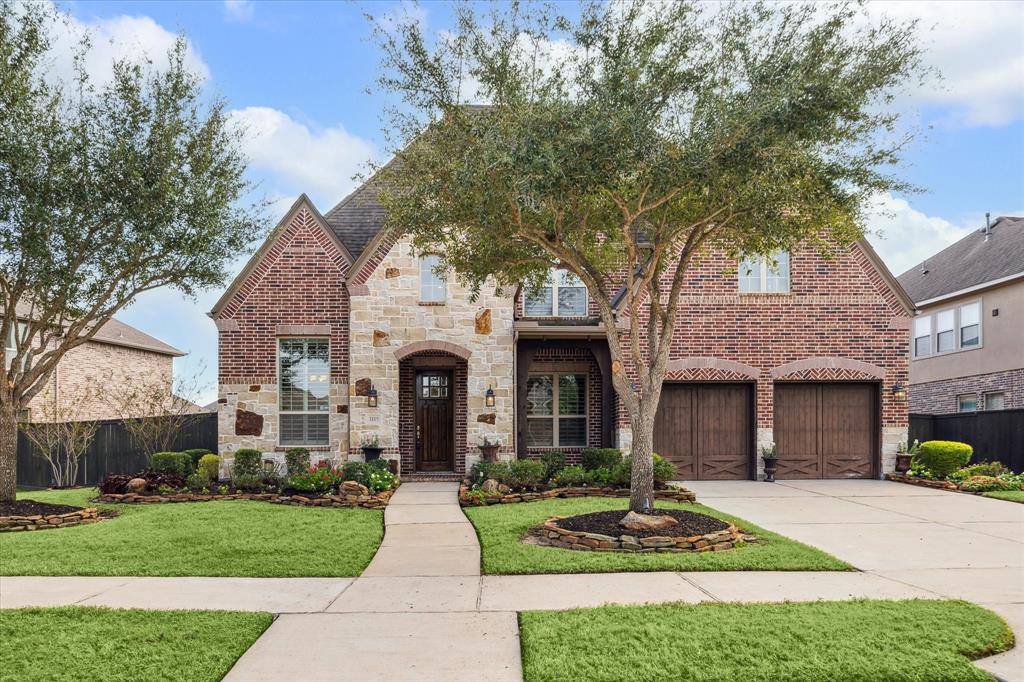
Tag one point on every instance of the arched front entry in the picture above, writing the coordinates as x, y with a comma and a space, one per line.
432, 411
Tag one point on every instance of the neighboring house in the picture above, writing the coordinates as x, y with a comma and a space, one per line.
118, 355
336, 332
967, 351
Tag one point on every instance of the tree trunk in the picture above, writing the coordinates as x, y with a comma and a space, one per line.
8, 450
641, 487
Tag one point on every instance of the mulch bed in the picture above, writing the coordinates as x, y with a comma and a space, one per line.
33, 508
607, 523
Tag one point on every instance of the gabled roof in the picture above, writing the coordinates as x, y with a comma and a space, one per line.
117, 333
358, 218
974, 261
302, 202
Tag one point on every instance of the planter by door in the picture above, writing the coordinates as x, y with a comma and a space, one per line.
770, 467
903, 463
370, 454
490, 452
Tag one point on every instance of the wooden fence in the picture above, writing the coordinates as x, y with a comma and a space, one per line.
996, 435
112, 450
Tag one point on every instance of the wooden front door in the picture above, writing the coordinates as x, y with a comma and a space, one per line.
435, 421
826, 430
705, 430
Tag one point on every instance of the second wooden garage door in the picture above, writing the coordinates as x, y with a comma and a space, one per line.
705, 430
825, 430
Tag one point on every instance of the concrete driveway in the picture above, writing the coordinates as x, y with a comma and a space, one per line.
950, 544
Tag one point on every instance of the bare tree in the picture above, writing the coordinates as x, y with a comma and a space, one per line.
59, 434
154, 412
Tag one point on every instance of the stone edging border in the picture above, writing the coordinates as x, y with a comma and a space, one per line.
551, 535
10, 524
467, 500
347, 496
948, 486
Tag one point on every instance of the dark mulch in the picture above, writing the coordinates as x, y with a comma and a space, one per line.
32, 508
607, 523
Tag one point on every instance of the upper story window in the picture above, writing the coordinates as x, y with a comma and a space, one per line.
563, 296
304, 378
11, 344
759, 274
433, 287
945, 331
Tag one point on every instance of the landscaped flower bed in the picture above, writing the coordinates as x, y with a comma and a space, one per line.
350, 494
32, 515
943, 465
690, 533
604, 472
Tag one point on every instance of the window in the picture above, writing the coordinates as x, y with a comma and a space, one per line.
945, 336
995, 401
759, 274
922, 336
304, 382
967, 403
433, 287
556, 410
970, 325
563, 296
10, 344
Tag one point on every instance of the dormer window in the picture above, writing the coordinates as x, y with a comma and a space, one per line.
563, 296
759, 274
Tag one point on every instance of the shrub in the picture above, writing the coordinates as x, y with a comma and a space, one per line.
115, 484
382, 464
943, 457
554, 461
664, 470
196, 454
296, 460
483, 470
526, 473
601, 476
248, 482
247, 462
354, 471
570, 476
318, 479
380, 479
622, 472
601, 458
984, 484
171, 463
979, 469
210, 466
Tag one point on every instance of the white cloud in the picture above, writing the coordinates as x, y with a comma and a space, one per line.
904, 236
239, 10
297, 158
122, 37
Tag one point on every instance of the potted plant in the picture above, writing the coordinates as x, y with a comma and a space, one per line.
371, 448
904, 457
489, 449
770, 455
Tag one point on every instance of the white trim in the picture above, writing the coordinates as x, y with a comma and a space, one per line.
933, 333
555, 415
281, 412
553, 285
976, 287
761, 266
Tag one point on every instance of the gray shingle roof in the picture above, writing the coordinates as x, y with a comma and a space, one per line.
357, 219
117, 333
970, 262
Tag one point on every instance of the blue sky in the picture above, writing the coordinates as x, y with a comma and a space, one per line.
297, 74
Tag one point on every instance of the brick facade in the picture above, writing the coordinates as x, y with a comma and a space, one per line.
940, 397
573, 360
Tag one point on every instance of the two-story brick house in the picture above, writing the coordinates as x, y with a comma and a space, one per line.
336, 332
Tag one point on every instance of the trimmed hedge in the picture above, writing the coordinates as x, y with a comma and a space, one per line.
600, 458
179, 463
210, 465
943, 457
247, 463
197, 454
296, 460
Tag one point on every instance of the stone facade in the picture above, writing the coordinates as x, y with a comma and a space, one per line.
90, 370
940, 397
388, 321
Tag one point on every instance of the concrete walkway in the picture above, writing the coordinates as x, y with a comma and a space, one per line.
421, 610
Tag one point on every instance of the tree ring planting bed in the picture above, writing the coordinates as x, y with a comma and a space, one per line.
32, 515
601, 532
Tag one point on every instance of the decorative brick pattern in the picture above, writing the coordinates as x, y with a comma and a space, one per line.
940, 397
828, 369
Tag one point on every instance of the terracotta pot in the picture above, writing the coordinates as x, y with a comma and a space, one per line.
371, 453
490, 452
770, 467
903, 463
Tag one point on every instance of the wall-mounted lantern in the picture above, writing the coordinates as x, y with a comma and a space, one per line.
489, 397
371, 397
899, 392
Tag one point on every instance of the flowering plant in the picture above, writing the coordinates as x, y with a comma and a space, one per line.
316, 479
769, 451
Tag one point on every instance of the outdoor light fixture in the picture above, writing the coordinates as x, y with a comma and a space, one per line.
899, 392
371, 397
489, 397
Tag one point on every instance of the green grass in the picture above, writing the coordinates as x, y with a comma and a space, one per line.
1011, 495
501, 528
836, 641
227, 538
81, 644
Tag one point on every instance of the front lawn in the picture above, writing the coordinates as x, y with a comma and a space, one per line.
81, 644
838, 641
1011, 495
501, 528
228, 538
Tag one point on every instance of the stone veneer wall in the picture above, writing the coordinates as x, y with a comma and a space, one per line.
940, 397
387, 315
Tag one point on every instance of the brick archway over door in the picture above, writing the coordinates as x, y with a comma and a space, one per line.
408, 366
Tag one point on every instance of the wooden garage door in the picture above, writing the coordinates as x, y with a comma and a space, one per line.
825, 430
705, 430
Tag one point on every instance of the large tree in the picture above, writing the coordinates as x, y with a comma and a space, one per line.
622, 142
107, 190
